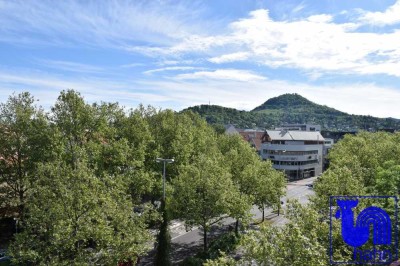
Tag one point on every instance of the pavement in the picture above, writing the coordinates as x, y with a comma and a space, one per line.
188, 243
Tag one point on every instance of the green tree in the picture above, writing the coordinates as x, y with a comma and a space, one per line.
270, 187
74, 119
76, 218
242, 161
204, 193
300, 242
25, 140
364, 153
388, 179
222, 260
163, 255
113, 142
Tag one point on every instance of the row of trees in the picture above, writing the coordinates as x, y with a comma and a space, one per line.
364, 164
74, 175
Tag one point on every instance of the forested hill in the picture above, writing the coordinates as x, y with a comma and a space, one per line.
292, 108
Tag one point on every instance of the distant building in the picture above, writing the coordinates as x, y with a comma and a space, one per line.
299, 150
298, 153
328, 143
252, 136
336, 135
231, 129
300, 127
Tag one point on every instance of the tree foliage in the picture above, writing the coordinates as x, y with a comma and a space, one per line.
74, 217
24, 141
204, 193
296, 243
84, 179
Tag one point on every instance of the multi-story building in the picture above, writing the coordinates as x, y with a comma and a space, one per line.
300, 127
298, 153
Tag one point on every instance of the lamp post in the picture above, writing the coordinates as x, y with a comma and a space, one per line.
159, 160
16, 224
164, 238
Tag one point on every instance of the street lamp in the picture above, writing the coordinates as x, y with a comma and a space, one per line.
16, 224
164, 237
159, 160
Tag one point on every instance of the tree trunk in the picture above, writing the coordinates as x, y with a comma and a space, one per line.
205, 239
21, 204
279, 207
237, 227
263, 216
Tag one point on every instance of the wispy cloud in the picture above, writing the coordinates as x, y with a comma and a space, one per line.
94, 23
47, 87
360, 98
70, 66
224, 74
173, 68
226, 58
132, 65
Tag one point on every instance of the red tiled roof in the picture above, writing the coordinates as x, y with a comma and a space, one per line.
253, 137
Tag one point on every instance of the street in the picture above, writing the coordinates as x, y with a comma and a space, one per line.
188, 243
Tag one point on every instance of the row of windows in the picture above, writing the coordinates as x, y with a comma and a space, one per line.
295, 163
306, 142
298, 174
283, 152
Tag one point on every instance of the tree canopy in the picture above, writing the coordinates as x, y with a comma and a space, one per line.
84, 182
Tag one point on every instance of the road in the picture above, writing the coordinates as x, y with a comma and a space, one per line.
188, 243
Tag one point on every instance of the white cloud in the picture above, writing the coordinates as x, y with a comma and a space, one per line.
173, 68
390, 16
226, 58
224, 74
314, 44
323, 18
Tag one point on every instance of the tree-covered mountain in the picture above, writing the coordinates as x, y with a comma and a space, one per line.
293, 108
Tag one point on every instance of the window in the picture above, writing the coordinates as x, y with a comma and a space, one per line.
283, 152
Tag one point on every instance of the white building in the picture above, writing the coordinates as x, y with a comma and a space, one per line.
300, 127
298, 153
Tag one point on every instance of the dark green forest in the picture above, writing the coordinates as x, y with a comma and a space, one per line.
290, 109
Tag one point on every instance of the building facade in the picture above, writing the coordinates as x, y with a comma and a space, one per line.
300, 127
298, 153
252, 136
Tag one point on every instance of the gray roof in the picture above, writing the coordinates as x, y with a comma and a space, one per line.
230, 129
279, 135
295, 135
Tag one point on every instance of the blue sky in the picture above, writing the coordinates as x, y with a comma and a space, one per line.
175, 54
